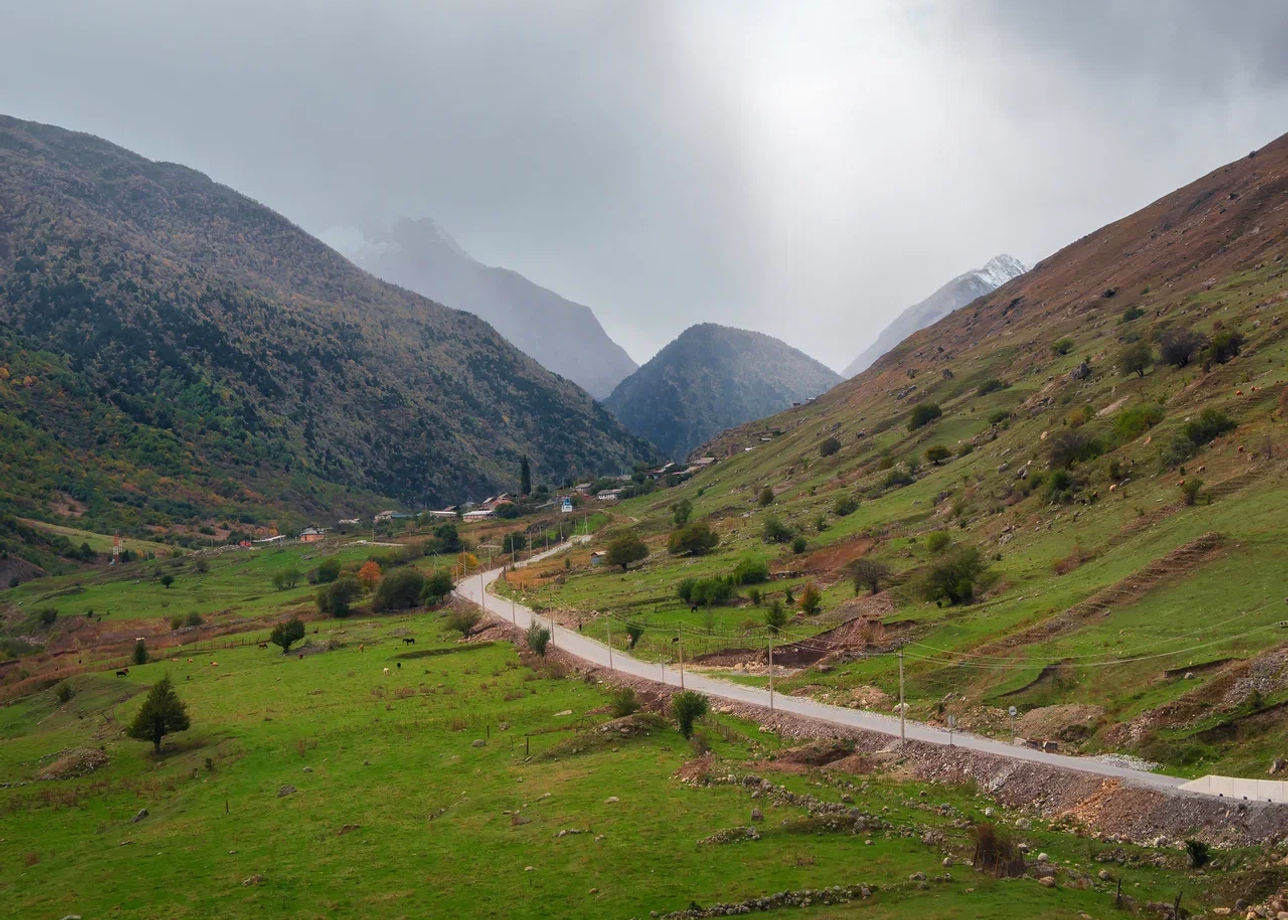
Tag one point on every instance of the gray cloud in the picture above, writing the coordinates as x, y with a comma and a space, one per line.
803, 169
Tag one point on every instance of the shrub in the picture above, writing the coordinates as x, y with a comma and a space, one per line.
680, 512
750, 571
845, 505
995, 852
286, 579
1209, 424
437, 586
775, 531
193, 619
766, 497
900, 475
1224, 346
287, 634
399, 590
140, 653
623, 702
47, 615
811, 599
1177, 347
937, 454
693, 539
1190, 489
538, 638
868, 573
991, 385
1000, 417
462, 618
687, 707
923, 414
965, 449
336, 597
63, 692
1135, 358
626, 549
829, 447
1176, 451
1130, 314
1060, 487
176, 621
938, 541
953, 579
1061, 347
1131, 423
328, 570
776, 616
1197, 851
799, 544
1065, 448
703, 592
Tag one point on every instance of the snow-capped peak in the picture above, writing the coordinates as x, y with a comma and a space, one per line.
1001, 269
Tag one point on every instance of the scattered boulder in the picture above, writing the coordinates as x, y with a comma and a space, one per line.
285, 790
73, 763
139, 816
252, 880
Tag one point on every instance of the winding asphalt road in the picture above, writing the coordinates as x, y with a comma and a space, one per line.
597, 653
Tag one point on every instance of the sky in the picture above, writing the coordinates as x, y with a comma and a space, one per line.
804, 169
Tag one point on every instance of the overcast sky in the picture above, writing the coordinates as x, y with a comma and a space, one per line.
806, 169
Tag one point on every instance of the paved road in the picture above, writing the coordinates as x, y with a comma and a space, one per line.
597, 653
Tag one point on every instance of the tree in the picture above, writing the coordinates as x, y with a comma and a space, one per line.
328, 570
286, 579
868, 573
513, 542
937, 454
1177, 347
163, 713
167, 580
776, 531
776, 616
681, 510
626, 549
1061, 347
687, 707
845, 505
1135, 358
525, 476
1211, 423
437, 587
140, 653
829, 447
336, 597
923, 414
369, 574
811, 599
766, 497
750, 571
538, 638
400, 589
693, 539
1225, 345
1067, 447
287, 634
449, 540
953, 580
1190, 489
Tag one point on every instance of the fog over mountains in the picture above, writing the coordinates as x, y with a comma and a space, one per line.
563, 336
952, 296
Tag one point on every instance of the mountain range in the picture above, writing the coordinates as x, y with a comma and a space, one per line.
952, 296
563, 336
710, 378
169, 346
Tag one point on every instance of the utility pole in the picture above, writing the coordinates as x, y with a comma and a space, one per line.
771, 670
902, 737
681, 637
610, 642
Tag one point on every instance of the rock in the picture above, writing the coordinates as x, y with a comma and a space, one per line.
611, 800
1047, 881
917, 877
1042, 857
477, 742
757, 815
1104, 875
308, 770
948, 861
504, 726
564, 712
139, 816
1024, 824
517, 819
72, 917
252, 880
988, 812
1278, 765
287, 789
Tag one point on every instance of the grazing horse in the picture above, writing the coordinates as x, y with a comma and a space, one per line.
409, 640
124, 672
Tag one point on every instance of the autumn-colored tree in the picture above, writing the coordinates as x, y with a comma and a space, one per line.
369, 574
468, 561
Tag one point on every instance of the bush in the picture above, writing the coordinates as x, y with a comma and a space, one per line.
811, 599
703, 592
1178, 347
1066, 447
766, 497
1209, 424
845, 505
923, 414
1060, 487
399, 590
1130, 314
953, 579
462, 618
1135, 358
47, 615
286, 579
63, 692
1197, 851
680, 512
991, 385
1224, 346
623, 702
626, 549
1061, 347
336, 597
1176, 451
328, 570
750, 571
437, 586
1129, 424
776, 616
140, 653
938, 541
193, 619
1000, 417
287, 634
868, 573
693, 539
687, 707
1190, 489
900, 475
995, 852
799, 544
538, 638
775, 531
937, 454
829, 447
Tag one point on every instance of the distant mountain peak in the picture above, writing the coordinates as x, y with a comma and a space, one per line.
952, 296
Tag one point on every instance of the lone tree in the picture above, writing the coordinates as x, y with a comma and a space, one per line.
626, 549
525, 476
1178, 347
1135, 359
868, 573
776, 616
937, 454
687, 707
167, 580
692, 539
287, 634
162, 713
